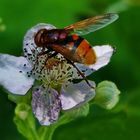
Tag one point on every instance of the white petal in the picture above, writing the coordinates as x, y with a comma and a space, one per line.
75, 95
29, 47
13, 74
103, 54
46, 105
85, 69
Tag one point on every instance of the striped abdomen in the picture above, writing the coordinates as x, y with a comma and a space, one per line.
77, 49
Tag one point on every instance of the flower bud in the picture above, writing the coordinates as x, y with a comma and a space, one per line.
107, 94
22, 111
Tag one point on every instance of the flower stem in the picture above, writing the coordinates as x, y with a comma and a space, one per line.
47, 132
34, 134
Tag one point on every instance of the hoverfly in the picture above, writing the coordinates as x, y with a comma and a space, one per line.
69, 43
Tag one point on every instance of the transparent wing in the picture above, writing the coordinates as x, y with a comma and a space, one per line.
92, 24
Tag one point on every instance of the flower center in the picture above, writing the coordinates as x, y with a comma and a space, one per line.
52, 62
53, 71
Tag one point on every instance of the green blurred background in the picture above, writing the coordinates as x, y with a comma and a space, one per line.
123, 122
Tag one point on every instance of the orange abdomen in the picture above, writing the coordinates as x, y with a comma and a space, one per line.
86, 53
76, 49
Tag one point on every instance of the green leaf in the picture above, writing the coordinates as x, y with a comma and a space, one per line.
107, 95
20, 98
25, 121
73, 114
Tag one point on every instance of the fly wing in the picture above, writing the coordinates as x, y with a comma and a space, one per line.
92, 24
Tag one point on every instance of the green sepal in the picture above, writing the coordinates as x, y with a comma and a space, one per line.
107, 94
25, 121
72, 114
20, 98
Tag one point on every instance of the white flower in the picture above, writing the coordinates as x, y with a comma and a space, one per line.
57, 91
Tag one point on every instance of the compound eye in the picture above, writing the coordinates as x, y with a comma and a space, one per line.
53, 36
38, 37
62, 35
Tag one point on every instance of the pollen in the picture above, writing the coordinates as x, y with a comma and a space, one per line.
50, 63
53, 71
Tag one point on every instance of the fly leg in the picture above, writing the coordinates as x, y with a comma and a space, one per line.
49, 56
43, 52
81, 74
